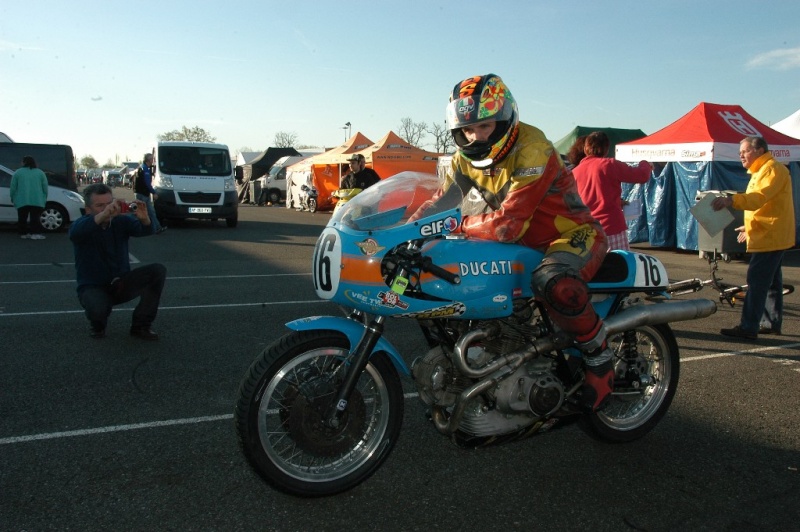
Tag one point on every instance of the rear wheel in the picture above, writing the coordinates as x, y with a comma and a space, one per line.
281, 415
274, 196
312, 205
647, 367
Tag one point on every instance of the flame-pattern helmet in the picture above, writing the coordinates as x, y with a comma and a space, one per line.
483, 99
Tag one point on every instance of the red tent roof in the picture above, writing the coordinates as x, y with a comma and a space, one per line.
709, 132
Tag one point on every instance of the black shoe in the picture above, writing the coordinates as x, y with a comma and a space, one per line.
144, 333
738, 332
769, 330
97, 334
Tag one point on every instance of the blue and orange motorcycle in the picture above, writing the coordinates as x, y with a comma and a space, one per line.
321, 408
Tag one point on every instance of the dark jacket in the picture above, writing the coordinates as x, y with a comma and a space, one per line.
143, 182
363, 179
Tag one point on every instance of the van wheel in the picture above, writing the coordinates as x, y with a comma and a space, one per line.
232, 221
274, 196
54, 218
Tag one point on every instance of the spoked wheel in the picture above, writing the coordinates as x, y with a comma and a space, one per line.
281, 415
647, 369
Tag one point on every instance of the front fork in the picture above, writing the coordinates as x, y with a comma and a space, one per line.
357, 363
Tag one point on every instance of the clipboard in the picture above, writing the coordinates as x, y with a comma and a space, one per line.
712, 221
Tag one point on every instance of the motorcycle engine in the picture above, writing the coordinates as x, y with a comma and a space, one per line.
532, 392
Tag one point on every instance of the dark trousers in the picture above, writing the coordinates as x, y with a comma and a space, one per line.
763, 305
146, 283
32, 213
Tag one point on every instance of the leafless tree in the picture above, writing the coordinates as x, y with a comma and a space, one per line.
284, 139
442, 138
195, 133
412, 132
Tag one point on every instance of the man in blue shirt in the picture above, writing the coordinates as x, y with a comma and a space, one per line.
100, 242
143, 187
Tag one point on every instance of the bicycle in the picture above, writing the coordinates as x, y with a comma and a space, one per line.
727, 292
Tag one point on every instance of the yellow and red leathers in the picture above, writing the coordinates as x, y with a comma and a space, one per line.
535, 202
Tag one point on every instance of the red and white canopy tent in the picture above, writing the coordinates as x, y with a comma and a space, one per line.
709, 132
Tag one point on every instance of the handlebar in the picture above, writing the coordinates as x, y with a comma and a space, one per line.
427, 265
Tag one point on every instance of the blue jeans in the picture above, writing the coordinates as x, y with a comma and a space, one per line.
145, 282
151, 211
763, 305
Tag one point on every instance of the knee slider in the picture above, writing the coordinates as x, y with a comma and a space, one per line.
566, 293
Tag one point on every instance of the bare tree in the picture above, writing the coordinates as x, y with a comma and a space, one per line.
412, 132
196, 134
442, 138
284, 139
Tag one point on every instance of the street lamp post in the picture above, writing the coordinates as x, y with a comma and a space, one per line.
346, 127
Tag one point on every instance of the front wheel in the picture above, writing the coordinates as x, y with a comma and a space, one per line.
283, 401
647, 367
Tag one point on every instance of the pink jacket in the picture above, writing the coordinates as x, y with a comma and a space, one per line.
600, 181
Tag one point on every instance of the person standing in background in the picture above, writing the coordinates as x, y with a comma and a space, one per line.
600, 179
143, 187
769, 229
29, 194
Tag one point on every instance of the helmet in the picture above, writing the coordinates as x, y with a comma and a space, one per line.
483, 99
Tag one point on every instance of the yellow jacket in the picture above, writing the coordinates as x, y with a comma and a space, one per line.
768, 206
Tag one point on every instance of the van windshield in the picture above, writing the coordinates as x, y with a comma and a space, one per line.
194, 160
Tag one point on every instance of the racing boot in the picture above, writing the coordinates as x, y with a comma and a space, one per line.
599, 381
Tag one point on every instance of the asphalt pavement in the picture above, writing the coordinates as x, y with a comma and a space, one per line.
123, 434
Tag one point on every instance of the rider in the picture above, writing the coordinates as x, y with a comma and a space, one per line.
532, 199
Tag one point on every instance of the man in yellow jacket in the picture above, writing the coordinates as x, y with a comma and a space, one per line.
769, 229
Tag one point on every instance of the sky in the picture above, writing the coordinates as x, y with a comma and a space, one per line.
107, 77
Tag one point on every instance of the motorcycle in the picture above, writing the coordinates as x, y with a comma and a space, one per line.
321, 408
342, 196
308, 198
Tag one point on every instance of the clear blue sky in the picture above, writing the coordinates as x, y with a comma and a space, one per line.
108, 76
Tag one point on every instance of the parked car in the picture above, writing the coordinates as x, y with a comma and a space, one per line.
62, 207
112, 177
129, 169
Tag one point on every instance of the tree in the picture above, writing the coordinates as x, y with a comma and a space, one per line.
442, 138
412, 132
285, 139
196, 134
89, 162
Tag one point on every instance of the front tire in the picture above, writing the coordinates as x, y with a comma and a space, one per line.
233, 221
54, 218
280, 415
649, 352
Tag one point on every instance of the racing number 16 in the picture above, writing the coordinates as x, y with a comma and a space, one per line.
652, 275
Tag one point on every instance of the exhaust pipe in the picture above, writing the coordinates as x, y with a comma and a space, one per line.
665, 312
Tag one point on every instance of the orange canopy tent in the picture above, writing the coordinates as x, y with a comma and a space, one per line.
389, 156
323, 171
392, 155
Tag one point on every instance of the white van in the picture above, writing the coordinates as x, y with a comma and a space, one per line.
274, 181
194, 180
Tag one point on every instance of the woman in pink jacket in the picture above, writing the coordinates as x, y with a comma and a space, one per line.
600, 179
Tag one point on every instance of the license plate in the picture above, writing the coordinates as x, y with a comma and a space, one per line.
199, 210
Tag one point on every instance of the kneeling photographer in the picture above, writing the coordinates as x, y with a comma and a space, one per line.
104, 274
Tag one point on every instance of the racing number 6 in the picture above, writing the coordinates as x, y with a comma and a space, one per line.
322, 263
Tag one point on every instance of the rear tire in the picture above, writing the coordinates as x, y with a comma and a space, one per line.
274, 196
633, 411
312, 205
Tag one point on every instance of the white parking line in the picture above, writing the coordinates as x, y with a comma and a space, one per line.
226, 417
180, 278
188, 307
